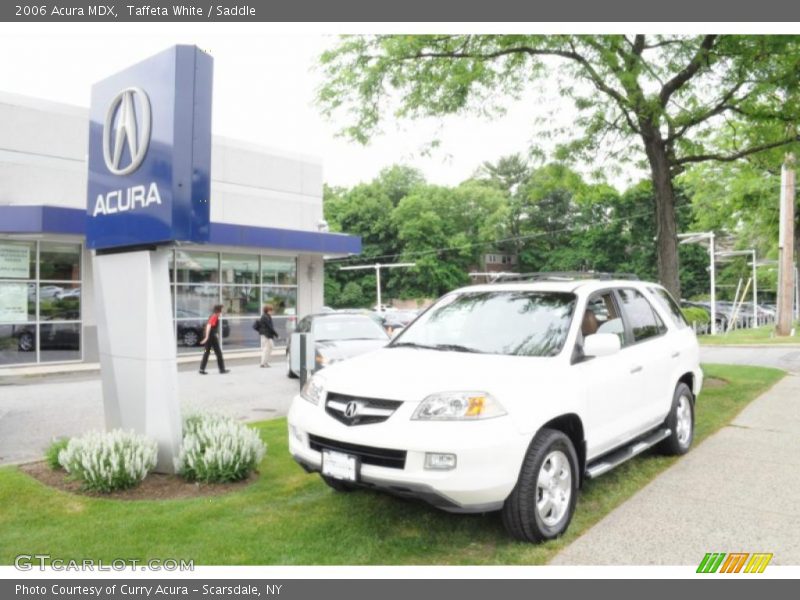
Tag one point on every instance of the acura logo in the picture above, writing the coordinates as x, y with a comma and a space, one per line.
129, 117
352, 409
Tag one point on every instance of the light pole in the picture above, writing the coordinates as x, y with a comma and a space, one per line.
694, 238
378, 267
751, 252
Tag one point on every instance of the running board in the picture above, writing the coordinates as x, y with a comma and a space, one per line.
617, 457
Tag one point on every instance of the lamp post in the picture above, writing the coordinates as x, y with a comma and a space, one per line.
694, 238
378, 267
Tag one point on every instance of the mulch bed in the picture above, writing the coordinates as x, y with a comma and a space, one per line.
156, 486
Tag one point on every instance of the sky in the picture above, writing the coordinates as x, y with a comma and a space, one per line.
264, 89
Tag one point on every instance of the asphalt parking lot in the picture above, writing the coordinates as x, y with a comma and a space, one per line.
35, 410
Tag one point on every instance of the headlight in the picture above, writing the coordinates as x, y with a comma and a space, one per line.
458, 406
313, 390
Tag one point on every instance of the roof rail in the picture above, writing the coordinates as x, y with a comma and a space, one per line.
561, 276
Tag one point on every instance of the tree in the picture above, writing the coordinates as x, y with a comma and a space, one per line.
669, 93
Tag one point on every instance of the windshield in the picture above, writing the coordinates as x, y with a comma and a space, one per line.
346, 328
494, 322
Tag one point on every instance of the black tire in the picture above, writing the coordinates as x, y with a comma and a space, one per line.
680, 440
26, 342
338, 485
521, 517
190, 338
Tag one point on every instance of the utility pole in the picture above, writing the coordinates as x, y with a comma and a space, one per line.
786, 249
378, 267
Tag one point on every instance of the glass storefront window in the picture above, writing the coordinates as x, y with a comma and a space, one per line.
17, 301
17, 260
277, 269
18, 343
238, 334
196, 301
282, 299
59, 262
59, 341
240, 300
59, 302
196, 267
240, 268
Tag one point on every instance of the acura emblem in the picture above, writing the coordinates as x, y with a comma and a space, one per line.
351, 410
129, 117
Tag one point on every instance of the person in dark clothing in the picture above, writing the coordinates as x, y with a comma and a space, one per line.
211, 341
267, 331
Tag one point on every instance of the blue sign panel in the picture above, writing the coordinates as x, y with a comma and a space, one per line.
150, 153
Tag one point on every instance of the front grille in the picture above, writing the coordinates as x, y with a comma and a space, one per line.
367, 410
381, 457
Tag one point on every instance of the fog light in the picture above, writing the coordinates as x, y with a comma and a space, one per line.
297, 434
440, 462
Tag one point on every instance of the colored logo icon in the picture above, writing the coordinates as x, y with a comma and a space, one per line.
734, 562
127, 126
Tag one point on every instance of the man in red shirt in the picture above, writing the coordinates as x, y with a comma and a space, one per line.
211, 340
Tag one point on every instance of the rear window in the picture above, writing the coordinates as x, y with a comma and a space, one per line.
667, 301
644, 321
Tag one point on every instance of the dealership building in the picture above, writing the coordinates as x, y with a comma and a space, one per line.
266, 243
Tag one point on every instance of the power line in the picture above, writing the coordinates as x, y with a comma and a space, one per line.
539, 234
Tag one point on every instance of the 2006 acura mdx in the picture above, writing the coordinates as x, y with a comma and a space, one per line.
509, 396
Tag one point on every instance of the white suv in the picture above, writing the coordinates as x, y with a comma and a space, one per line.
505, 397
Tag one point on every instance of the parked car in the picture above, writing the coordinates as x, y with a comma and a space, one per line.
337, 336
507, 397
52, 336
190, 333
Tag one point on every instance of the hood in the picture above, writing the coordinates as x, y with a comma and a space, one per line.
342, 349
410, 374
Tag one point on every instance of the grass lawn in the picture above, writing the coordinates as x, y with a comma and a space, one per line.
288, 517
760, 335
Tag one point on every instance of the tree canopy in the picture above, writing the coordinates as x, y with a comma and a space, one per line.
683, 100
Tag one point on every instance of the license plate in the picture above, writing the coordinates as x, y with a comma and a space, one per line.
340, 465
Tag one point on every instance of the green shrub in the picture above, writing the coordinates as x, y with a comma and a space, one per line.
53, 450
217, 449
695, 314
109, 461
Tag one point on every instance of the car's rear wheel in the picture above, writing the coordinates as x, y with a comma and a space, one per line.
26, 343
680, 422
542, 503
338, 484
190, 337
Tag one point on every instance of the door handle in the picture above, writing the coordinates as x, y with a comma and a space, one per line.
676, 354
636, 369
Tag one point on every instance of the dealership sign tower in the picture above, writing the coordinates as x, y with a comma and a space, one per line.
149, 189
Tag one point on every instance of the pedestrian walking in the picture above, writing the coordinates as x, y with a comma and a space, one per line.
267, 331
211, 341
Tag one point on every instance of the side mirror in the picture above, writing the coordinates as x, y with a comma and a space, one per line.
601, 344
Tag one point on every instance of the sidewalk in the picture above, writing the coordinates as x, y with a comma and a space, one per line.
738, 491
34, 409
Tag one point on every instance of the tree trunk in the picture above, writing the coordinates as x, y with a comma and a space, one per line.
666, 227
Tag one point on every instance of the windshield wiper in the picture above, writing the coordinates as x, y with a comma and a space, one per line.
455, 348
412, 345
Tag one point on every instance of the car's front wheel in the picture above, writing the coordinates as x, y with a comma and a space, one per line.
190, 338
680, 422
542, 503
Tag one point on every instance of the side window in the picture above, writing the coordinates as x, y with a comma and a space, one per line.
644, 321
602, 316
669, 303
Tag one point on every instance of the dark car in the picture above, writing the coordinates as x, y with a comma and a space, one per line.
52, 336
190, 327
338, 336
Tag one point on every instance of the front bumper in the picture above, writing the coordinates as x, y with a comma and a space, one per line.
489, 455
